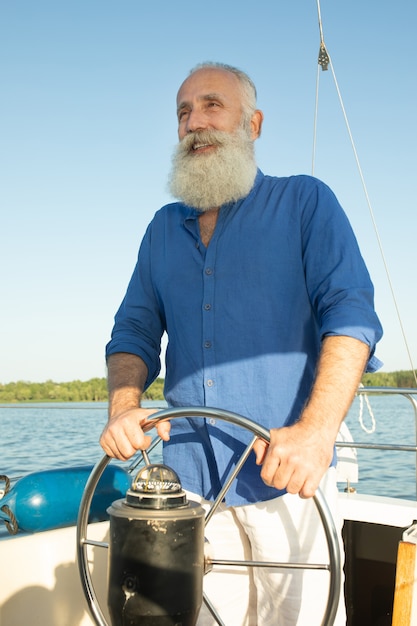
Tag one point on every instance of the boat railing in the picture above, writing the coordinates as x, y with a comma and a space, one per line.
411, 395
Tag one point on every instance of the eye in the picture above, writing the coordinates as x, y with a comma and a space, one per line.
182, 114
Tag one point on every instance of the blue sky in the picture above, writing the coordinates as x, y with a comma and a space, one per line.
87, 129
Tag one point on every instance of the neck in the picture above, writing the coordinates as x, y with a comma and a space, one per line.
207, 223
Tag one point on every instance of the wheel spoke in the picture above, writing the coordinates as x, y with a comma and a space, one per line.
229, 481
271, 564
212, 610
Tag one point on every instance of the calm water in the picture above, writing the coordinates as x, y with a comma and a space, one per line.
386, 472
36, 437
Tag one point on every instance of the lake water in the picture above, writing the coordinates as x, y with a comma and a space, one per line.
48, 436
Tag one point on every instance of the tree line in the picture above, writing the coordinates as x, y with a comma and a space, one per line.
95, 389
402, 378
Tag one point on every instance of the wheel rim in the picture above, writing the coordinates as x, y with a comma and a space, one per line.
258, 431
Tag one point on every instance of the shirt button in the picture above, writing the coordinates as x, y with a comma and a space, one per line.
209, 271
210, 382
212, 421
207, 307
207, 344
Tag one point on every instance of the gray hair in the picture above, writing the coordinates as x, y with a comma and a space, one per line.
248, 86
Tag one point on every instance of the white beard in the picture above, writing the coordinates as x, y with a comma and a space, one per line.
209, 180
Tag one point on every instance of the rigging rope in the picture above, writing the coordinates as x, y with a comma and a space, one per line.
11, 523
324, 61
372, 428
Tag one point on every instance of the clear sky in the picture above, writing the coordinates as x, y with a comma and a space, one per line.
88, 125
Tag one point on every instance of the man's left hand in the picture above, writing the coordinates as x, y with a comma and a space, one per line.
296, 458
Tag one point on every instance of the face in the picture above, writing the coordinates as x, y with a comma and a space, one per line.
214, 162
211, 98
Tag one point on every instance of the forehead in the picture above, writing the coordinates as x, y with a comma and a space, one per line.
209, 81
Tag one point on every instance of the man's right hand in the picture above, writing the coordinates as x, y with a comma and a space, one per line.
123, 434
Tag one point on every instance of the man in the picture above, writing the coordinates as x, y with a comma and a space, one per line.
268, 306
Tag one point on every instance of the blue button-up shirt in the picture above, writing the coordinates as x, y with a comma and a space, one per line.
245, 317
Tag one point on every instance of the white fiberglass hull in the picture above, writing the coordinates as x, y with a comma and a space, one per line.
40, 583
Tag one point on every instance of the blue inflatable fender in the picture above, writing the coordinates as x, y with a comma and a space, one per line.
51, 498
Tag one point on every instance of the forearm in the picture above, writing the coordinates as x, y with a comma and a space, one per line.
123, 433
339, 372
299, 455
126, 378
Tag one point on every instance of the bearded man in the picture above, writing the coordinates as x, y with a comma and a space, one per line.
268, 307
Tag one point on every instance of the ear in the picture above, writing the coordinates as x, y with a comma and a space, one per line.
256, 123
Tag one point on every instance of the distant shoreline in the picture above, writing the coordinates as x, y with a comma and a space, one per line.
95, 389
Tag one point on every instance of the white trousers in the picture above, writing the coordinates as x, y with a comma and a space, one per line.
286, 529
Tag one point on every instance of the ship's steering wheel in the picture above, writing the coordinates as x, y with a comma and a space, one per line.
333, 567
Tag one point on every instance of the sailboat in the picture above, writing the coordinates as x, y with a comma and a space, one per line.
55, 572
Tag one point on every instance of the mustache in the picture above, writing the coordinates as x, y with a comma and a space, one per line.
199, 137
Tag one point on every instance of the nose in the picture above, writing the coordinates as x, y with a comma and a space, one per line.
196, 120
